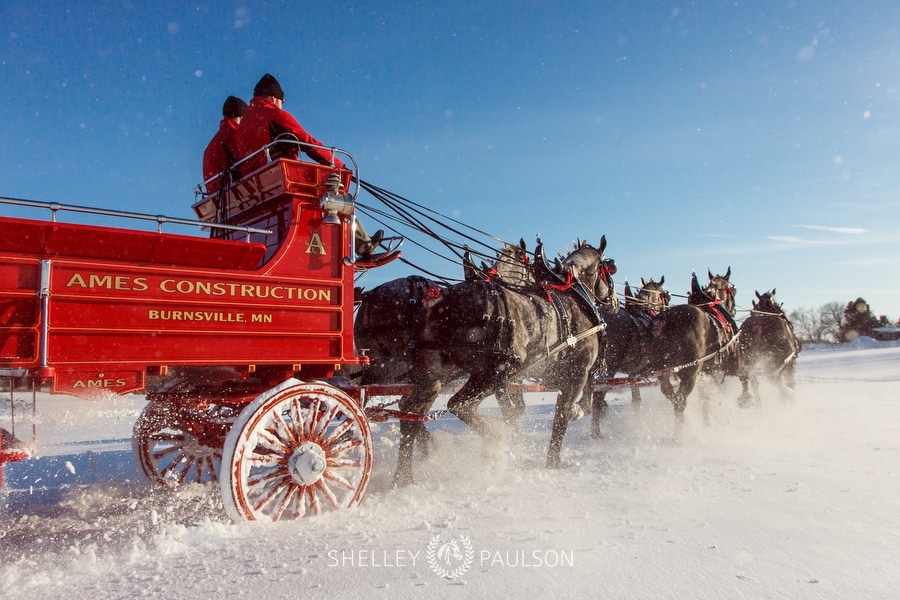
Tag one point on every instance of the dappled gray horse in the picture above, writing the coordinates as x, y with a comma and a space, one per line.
494, 333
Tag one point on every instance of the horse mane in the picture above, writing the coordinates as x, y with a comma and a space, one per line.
698, 295
542, 269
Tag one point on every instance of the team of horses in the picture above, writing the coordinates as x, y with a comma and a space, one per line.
560, 324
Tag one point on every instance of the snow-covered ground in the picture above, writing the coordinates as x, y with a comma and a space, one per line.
795, 501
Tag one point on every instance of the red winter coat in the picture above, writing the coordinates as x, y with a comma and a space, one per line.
262, 123
221, 153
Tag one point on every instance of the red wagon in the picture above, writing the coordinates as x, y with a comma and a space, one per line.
230, 335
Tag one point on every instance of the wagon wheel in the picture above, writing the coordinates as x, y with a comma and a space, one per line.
296, 450
175, 446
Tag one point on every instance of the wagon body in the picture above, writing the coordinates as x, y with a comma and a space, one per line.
95, 308
260, 308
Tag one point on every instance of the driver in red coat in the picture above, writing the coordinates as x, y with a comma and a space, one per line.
222, 150
264, 122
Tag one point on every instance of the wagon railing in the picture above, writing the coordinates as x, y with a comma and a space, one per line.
55, 207
266, 153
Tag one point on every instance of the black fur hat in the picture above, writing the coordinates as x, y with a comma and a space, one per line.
268, 86
233, 107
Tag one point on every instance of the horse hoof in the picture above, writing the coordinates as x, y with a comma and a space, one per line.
402, 481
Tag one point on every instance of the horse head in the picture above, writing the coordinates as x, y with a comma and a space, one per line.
721, 288
766, 303
513, 265
652, 296
593, 269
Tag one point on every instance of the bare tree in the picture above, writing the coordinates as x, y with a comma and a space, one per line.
820, 325
833, 318
808, 325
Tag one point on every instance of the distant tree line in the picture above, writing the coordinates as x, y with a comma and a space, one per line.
834, 323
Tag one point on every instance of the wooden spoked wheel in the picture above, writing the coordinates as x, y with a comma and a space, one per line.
297, 450
174, 446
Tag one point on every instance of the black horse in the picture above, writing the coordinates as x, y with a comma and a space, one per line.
721, 289
688, 338
495, 333
388, 314
384, 320
769, 346
628, 335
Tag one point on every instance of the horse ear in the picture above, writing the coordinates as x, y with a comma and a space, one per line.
773, 292
643, 283
728, 273
757, 295
522, 244
602, 243
662, 280
709, 273
695, 285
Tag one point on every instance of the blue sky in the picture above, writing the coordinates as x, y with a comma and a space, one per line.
760, 135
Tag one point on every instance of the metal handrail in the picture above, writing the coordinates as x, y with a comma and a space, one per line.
266, 150
55, 207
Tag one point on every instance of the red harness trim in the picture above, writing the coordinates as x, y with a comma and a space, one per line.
547, 286
718, 315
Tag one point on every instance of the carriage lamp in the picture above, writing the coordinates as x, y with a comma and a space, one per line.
334, 202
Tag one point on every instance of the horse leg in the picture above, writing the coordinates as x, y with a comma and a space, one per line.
599, 407
464, 404
636, 400
703, 392
736, 367
754, 386
565, 406
512, 405
665, 386
745, 398
585, 405
687, 378
787, 380
418, 402
410, 432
